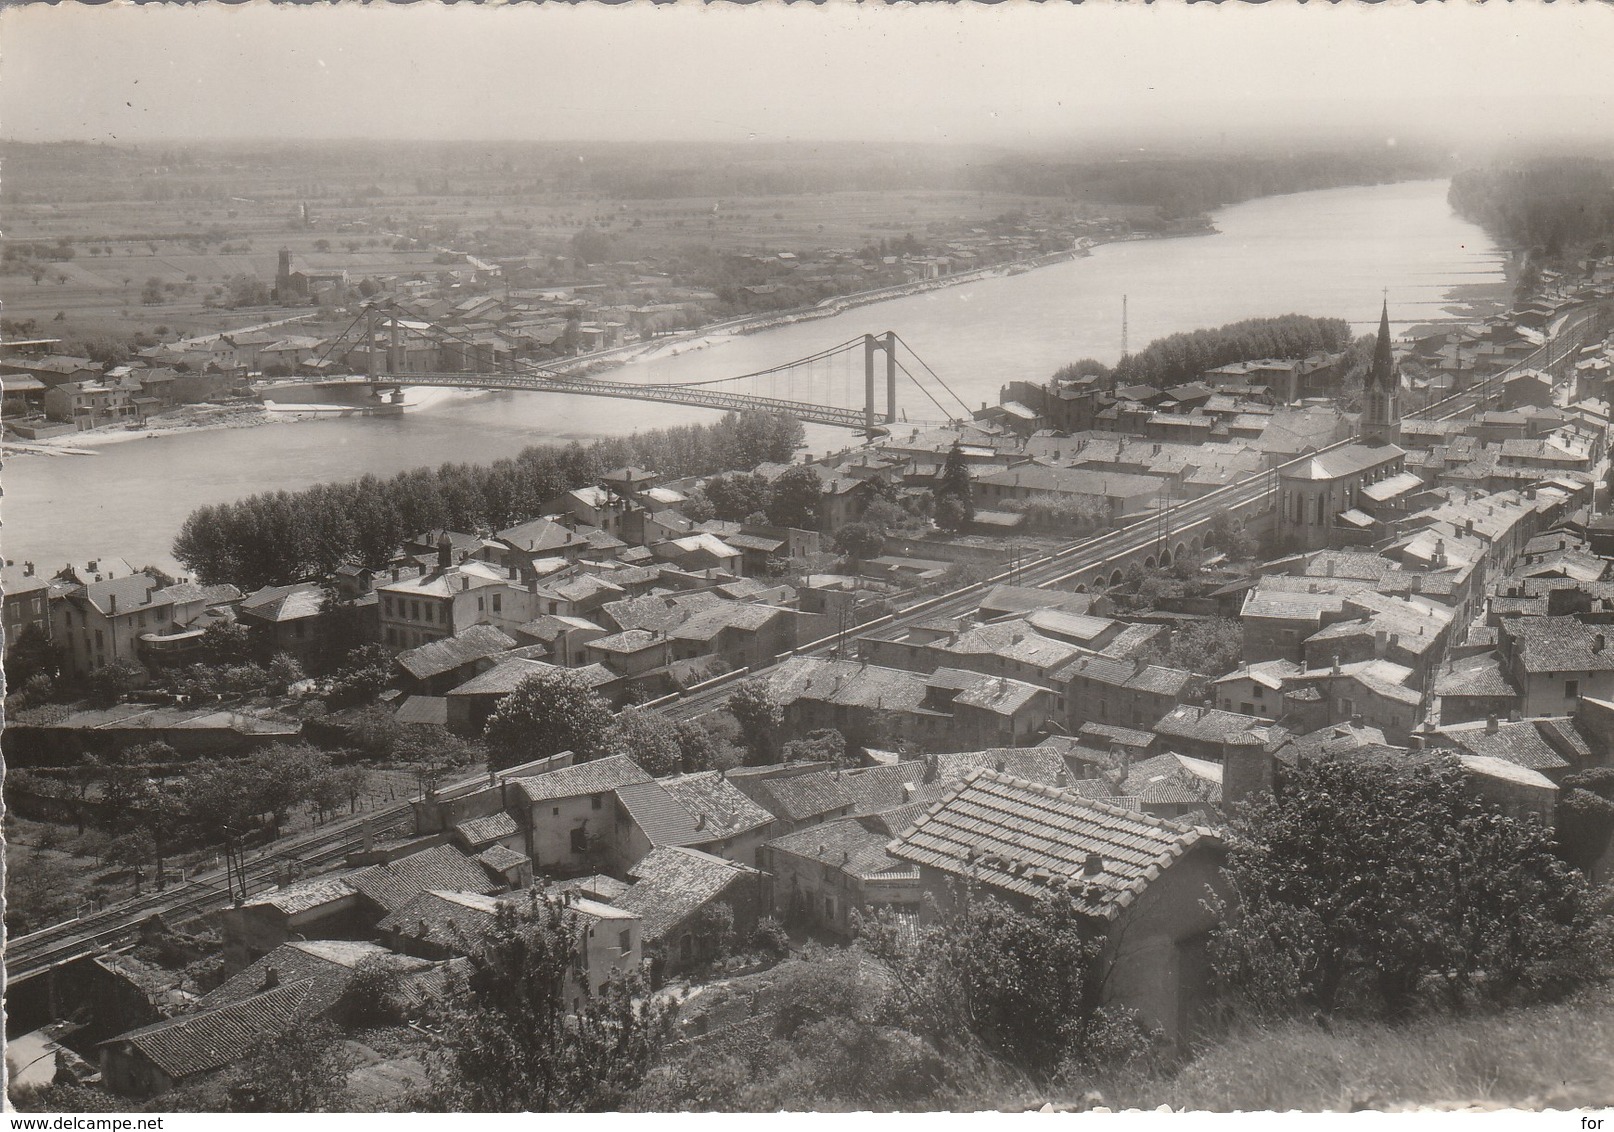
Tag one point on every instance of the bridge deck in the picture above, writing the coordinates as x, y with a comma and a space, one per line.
669, 394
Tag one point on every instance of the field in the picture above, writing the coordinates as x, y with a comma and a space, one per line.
154, 236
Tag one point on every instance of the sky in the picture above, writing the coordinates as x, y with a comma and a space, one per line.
1011, 74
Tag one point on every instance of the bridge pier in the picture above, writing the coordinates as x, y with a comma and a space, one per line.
871, 344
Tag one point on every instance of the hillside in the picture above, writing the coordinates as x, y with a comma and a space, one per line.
1559, 1056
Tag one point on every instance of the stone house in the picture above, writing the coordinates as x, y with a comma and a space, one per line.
1141, 881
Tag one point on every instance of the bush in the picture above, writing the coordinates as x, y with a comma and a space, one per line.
770, 938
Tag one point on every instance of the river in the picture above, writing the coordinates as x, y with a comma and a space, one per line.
1327, 253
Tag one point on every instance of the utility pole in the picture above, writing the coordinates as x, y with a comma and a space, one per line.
1123, 326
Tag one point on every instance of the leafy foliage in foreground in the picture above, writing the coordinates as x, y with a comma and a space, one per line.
514, 1041
1377, 888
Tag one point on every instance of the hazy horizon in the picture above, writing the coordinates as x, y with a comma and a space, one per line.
1017, 78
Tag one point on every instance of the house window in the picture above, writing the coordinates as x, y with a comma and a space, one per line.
1247, 709
829, 907
625, 941
496, 602
392, 635
1571, 687
100, 642
596, 802
580, 840
555, 812
481, 605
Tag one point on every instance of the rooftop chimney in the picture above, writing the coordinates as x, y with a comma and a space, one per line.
445, 552
271, 978
1491, 724
1093, 866
1381, 640
1599, 642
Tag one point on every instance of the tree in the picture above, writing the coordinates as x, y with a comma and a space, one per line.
226, 642
549, 712
1025, 984
1370, 885
302, 1069
32, 654
760, 716
363, 676
954, 505
1231, 537
649, 740
152, 293
794, 498
859, 541
1209, 648
108, 683
515, 1043
284, 671
736, 495
827, 745
698, 748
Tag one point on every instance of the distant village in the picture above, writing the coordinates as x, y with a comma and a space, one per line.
486, 310
1417, 585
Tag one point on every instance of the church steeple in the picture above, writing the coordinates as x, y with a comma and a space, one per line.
1381, 420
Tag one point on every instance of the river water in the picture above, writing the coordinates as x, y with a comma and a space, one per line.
1328, 253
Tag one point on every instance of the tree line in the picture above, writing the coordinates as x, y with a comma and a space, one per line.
1182, 357
1551, 205
274, 538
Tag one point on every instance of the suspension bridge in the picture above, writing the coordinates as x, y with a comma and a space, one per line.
826, 387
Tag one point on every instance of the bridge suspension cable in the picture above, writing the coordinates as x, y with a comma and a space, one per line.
962, 403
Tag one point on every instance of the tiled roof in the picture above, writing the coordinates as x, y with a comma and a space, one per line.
437, 657
1174, 779
661, 612
1475, 676
1561, 644
725, 808
1031, 840
423, 710
285, 603
747, 617
444, 917
504, 677
847, 682
802, 796
1350, 460
1108, 733
856, 846
1035, 764
478, 832
328, 964
597, 776
1518, 742
1210, 725
396, 883
878, 788
628, 641
672, 882
300, 897
501, 857
208, 1039
1508, 771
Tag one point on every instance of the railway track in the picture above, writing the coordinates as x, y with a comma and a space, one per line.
31, 954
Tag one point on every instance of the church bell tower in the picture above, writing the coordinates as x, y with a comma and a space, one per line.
1381, 416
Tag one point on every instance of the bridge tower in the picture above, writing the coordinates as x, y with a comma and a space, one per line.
873, 344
